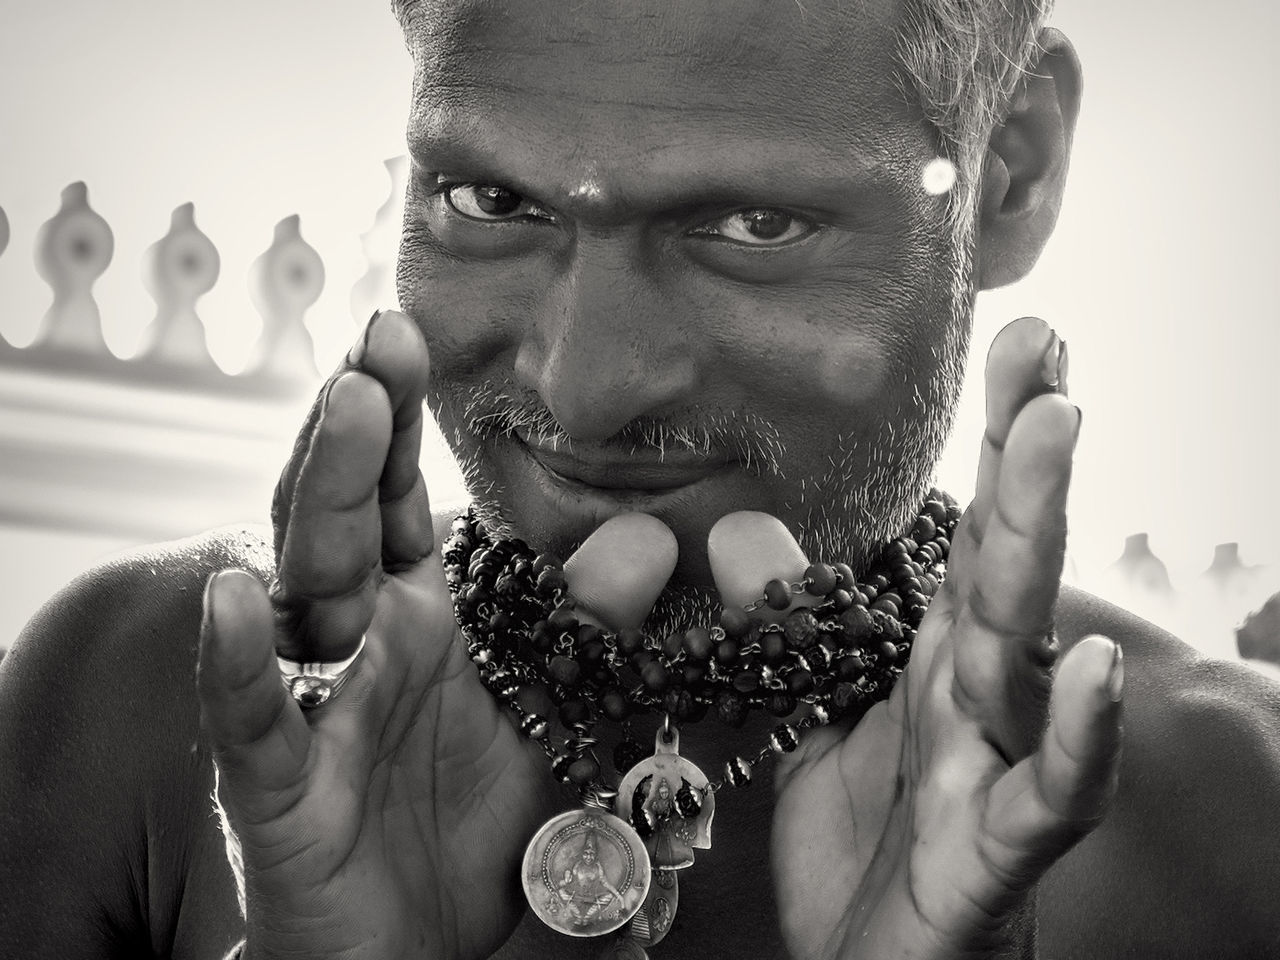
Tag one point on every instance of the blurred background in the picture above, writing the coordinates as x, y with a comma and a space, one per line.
215, 188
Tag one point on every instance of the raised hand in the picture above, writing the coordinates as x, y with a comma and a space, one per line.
922, 833
390, 820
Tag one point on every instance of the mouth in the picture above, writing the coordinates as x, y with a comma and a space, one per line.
638, 479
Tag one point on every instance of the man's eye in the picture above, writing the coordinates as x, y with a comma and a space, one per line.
759, 227
489, 202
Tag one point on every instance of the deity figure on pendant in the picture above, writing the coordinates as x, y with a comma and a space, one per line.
584, 886
670, 835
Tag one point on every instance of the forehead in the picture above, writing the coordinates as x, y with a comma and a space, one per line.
586, 86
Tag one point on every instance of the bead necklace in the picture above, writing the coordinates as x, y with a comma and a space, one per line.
832, 646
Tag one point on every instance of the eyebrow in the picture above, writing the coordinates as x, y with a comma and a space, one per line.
773, 174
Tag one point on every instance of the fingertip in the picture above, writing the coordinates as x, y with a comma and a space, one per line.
747, 549
619, 571
236, 628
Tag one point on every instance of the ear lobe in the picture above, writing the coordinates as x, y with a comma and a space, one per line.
1025, 168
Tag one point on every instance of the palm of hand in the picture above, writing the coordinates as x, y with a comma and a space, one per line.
870, 813
423, 791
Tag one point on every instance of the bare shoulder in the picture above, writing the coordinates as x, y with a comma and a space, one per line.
105, 822
1188, 861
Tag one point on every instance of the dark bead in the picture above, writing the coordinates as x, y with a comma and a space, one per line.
698, 709
943, 546
627, 754
672, 645
886, 603
777, 594
901, 572
929, 585
887, 650
887, 626
693, 675
773, 648
746, 681
781, 703
546, 561
630, 640
562, 620
735, 621
583, 770
924, 529
588, 632
844, 573
542, 637
641, 659
549, 581
936, 510
857, 623
560, 767
460, 528
591, 653
954, 512
614, 705
500, 623
849, 668
799, 683
574, 711
678, 703
821, 579
915, 612
727, 652
841, 600
697, 643
564, 671
800, 628
845, 695
731, 708
655, 677
878, 583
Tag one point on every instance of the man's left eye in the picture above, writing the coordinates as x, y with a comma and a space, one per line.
491, 203
759, 227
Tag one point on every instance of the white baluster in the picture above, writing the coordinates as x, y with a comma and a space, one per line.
72, 250
179, 269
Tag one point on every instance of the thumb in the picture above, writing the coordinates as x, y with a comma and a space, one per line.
259, 737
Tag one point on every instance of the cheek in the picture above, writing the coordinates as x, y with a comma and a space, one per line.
470, 314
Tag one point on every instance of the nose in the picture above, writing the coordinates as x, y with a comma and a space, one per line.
605, 347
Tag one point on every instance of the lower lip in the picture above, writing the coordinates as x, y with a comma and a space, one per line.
611, 499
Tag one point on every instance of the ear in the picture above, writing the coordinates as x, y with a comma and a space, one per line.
1025, 168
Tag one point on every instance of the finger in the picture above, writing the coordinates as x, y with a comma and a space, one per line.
746, 550
330, 566
258, 735
1026, 359
1051, 799
1003, 650
282, 496
394, 353
619, 571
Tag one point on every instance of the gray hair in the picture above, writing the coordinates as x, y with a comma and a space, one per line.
963, 60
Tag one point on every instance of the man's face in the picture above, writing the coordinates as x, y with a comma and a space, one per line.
678, 258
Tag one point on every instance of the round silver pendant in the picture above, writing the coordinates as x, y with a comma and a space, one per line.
585, 873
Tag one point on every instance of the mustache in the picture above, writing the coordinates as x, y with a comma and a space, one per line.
742, 436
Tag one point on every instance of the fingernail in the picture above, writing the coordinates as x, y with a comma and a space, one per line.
1115, 678
356, 353
1049, 363
328, 392
1064, 366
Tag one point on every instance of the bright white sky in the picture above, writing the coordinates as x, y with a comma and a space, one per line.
1162, 275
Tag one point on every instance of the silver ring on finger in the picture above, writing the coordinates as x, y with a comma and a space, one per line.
314, 684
